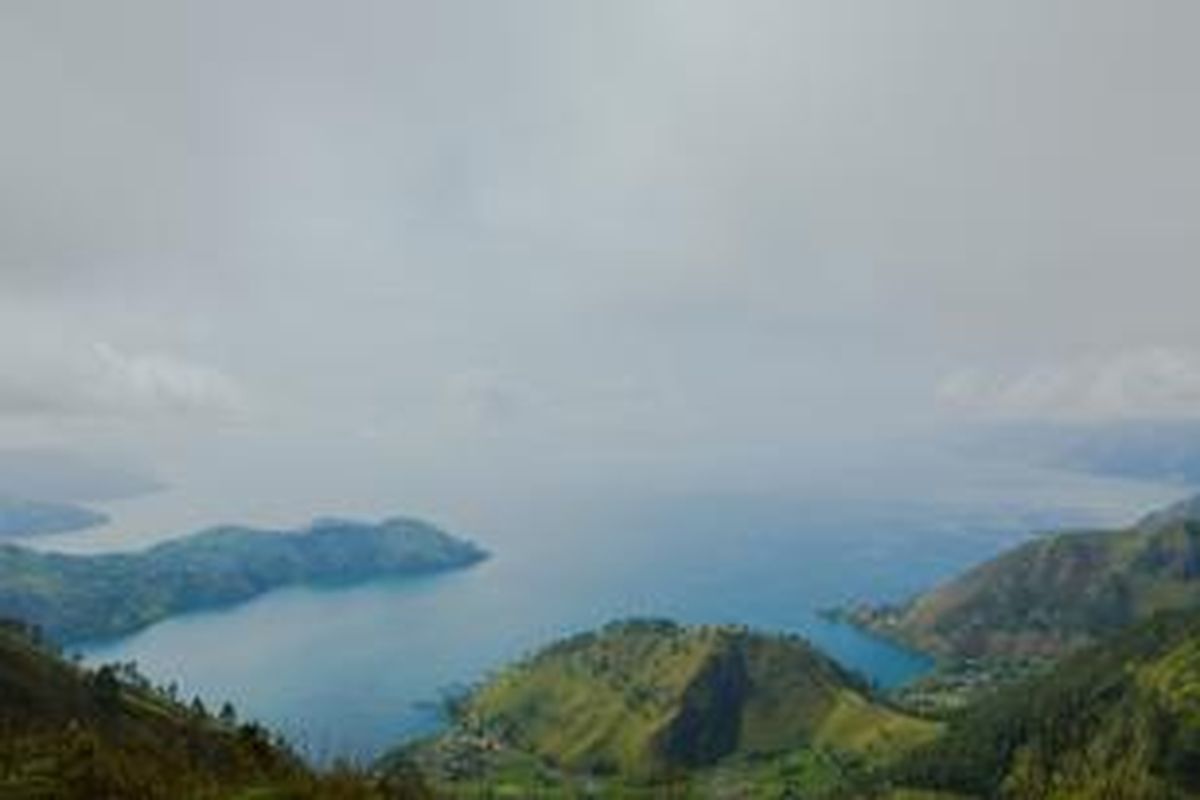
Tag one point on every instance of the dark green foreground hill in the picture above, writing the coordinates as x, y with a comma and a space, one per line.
651, 703
68, 733
1055, 593
1118, 721
75, 598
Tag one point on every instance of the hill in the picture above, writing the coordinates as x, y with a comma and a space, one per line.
34, 518
646, 701
75, 597
1117, 720
1055, 593
70, 733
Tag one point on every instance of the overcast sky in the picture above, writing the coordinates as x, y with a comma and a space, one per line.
592, 235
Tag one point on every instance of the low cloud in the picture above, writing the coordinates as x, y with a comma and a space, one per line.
484, 399
103, 381
1145, 384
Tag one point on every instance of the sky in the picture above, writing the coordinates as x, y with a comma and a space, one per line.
632, 240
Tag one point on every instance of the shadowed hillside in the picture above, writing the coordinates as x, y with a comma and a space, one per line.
1120, 720
67, 733
650, 701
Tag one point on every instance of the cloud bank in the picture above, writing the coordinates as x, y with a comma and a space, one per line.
1151, 384
702, 236
102, 382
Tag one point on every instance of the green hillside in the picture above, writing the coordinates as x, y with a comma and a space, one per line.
649, 701
1119, 720
68, 733
91, 597
1054, 593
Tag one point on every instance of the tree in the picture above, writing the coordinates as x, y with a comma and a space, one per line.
198, 708
106, 688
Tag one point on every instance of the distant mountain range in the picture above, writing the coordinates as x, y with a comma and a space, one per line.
1154, 450
45, 492
73, 597
19, 518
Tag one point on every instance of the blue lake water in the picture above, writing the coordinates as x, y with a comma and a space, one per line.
350, 671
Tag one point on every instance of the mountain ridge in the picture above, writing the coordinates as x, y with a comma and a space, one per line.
74, 597
646, 701
1054, 593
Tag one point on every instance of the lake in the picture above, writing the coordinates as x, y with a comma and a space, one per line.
351, 671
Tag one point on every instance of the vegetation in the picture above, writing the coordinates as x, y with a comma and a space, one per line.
652, 704
90, 597
1036, 698
1055, 593
67, 733
1117, 720
954, 685
33, 518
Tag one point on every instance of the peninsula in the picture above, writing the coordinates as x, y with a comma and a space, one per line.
75, 598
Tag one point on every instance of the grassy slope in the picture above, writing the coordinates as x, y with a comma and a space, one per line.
1117, 720
593, 701
1053, 594
801, 697
650, 701
88, 597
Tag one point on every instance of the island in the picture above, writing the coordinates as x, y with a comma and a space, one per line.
74, 598
20, 517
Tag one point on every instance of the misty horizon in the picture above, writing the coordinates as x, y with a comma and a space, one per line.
674, 244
